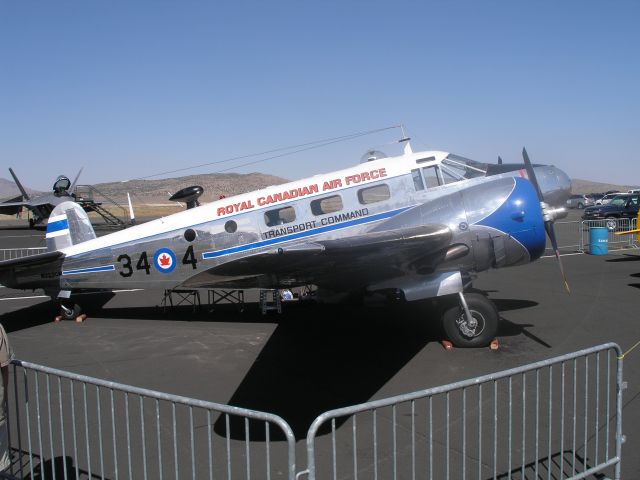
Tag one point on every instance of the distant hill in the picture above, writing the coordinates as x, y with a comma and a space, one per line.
8, 189
214, 184
579, 186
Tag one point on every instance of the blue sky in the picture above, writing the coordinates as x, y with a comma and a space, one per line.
134, 88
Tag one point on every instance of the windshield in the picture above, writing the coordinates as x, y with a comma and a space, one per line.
460, 168
618, 201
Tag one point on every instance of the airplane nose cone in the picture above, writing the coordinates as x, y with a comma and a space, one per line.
555, 185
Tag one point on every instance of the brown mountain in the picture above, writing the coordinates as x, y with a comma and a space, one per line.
214, 184
579, 186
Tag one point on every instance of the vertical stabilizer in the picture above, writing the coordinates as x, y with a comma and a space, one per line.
68, 225
25, 196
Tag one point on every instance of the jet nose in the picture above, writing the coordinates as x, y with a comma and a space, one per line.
554, 184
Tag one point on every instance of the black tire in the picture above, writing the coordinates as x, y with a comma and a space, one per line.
611, 223
70, 311
455, 326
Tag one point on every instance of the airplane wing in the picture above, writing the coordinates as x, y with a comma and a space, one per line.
12, 206
345, 262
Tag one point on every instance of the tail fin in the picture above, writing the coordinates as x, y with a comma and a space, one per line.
68, 225
25, 196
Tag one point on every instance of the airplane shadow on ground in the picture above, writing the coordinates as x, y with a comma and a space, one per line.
318, 358
325, 357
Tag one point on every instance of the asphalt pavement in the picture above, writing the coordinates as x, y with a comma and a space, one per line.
314, 358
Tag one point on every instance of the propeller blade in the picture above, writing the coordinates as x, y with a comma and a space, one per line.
531, 173
75, 180
548, 225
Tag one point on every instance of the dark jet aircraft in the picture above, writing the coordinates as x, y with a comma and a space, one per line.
41, 206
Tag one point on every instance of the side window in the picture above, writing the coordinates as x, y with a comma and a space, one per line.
634, 201
376, 193
279, 216
417, 179
432, 176
326, 205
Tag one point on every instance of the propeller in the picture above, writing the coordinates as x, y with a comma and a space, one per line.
548, 219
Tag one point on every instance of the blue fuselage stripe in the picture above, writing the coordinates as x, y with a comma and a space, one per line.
57, 226
306, 233
78, 271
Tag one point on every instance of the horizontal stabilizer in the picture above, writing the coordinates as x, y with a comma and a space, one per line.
31, 260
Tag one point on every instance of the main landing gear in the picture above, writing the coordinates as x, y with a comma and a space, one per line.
68, 310
470, 320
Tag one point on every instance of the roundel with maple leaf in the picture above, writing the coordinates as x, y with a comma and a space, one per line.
164, 260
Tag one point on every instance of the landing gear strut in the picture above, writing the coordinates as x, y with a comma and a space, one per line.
472, 321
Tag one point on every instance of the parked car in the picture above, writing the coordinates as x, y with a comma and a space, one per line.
620, 206
608, 197
579, 201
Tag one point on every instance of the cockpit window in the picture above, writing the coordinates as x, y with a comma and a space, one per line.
432, 176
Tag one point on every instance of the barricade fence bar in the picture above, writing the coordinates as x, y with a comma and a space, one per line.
12, 253
69, 426
555, 419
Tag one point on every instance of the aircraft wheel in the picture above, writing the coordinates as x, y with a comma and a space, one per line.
69, 311
478, 333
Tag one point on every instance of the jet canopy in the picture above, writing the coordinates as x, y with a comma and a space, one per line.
61, 186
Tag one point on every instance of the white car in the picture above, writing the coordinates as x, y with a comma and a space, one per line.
608, 197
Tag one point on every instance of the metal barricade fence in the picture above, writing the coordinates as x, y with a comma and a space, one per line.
554, 419
11, 253
613, 225
64, 425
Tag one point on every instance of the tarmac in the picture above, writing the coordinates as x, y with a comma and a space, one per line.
312, 358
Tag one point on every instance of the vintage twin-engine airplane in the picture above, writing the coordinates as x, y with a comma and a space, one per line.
42, 205
418, 225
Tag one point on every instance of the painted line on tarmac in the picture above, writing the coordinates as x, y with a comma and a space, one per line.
23, 298
22, 236
77, 294
562, 255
